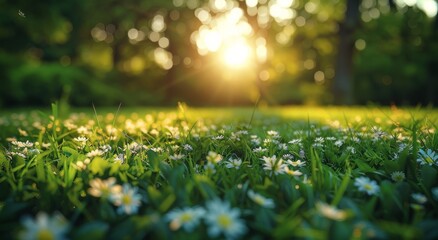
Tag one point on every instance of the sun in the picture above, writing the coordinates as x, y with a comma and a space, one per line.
237, 54
226, 35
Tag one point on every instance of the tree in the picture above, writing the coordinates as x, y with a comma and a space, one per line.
343, 82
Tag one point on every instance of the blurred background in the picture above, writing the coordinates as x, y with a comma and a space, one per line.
218, 52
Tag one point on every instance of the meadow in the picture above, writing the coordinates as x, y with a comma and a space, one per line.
219, 173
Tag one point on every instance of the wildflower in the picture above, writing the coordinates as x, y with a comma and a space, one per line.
259, 150
274, 165
187, 218
367, 185
339, 143
319, 140
219, 137
398, 176
355, 139
331, 212
282, 146
213, 157
233, 163
82, 130
22, 132
291, 172
427, 157
120, 158
104, 188
351, 149
295, 141
261, 200
128, 200
255, 140
273, 134
297, 163
419, 198
157, 149
81, 139
187, 147
95, 153
177, 156
105, 148
44, 227
19, 144
221, 218
82, 165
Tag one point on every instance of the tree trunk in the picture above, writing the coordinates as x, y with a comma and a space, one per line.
433, 64
343, 82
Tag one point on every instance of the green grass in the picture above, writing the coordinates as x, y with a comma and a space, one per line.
198, 173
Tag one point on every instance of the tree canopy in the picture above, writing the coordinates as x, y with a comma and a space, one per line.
228, 52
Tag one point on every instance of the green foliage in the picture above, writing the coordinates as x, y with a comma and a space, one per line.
50, 52
289, 178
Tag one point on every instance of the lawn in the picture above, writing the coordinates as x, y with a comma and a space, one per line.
203, 173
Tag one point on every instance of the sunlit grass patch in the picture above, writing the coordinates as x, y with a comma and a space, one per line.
234, 173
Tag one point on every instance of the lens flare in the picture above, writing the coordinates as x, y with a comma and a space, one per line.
237, 54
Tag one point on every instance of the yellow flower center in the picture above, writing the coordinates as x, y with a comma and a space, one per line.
45, 234
429, 160
259, 200
368, 187
224, 221
126, 200
186, 217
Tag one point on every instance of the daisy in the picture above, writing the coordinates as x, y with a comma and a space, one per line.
95, 153
427, 157
104, 188
273, 134
297, 163
292, 172
233, 163
44, 227
273, 164
398, 176
177, 156
128, 200
261, 200
213, 157
221, 218
366, 185
419, 198
187, 218
331, 212
187, 147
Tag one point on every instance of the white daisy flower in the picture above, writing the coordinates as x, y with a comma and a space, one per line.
331, 212
233, 163
128, 200
273, 164
261, 200
214, 157
104, 188
221, 218
367, 185
419, 198
44, 227
187, 218
428, 157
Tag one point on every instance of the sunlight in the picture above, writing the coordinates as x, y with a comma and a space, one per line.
226, 34
237, 54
